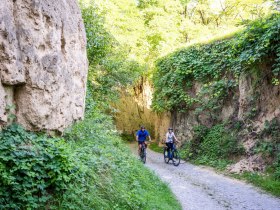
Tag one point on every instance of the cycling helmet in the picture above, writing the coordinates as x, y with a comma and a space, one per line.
142, 127
170, 129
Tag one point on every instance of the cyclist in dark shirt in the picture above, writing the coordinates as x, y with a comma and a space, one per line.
141, 137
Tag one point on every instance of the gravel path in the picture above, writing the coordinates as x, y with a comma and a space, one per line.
199, 188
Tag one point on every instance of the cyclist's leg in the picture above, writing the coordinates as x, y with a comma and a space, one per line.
139, 147
168, 150
172, 149
144, 145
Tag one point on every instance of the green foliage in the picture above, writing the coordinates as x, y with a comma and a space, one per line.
110, 68
93, 170
272, 129
192, 148
220, 144
33, 169
271, 148
99, 41
126, 37
212, 146
266, 182
146, 3
155, 147
260, 41
149, 29
217, 65
10, 109
111, 178
127, 137
219, 164
276, 165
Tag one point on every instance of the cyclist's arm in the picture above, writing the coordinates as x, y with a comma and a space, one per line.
148, 135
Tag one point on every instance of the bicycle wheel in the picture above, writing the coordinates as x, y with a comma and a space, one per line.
176, 158
165, 155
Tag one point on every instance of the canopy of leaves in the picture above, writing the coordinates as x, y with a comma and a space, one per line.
110, 67
208, 63
126, 37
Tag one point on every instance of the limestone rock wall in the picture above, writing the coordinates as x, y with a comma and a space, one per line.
254, 102
43, 63
134, 109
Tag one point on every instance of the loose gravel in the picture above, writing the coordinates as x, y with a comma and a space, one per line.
200, 188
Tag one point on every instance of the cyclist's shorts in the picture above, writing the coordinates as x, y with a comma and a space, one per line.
170, 145
141, 142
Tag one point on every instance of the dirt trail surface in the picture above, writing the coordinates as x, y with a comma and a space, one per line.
198, 188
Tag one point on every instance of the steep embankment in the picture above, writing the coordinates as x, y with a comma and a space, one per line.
88, 168
224, 96
43, 63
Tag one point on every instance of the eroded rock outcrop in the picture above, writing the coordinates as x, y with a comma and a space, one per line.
134, 109
254, 104
43, 64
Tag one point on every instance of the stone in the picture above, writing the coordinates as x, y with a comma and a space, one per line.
43, 58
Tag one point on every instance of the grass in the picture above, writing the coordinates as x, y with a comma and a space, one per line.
154, 146
266, 181
263, 181
219, 164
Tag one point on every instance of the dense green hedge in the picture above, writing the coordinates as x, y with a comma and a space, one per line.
112, 178
210, 64
33, 168
89, 168
213, 146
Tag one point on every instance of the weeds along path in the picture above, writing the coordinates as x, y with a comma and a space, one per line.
199, 188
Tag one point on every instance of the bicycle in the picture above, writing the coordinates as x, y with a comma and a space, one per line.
174, 155
143, 152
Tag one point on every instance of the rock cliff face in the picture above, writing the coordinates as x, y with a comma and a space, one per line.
43, 64
254, 104
134, 109
254, 101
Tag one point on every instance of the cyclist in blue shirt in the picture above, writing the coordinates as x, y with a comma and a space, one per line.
141, 137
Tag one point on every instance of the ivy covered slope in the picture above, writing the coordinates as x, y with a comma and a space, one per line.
110, 177
89, 168
224, 101
216, 65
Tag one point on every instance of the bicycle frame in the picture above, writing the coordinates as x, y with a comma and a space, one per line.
174, 155
143, 152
